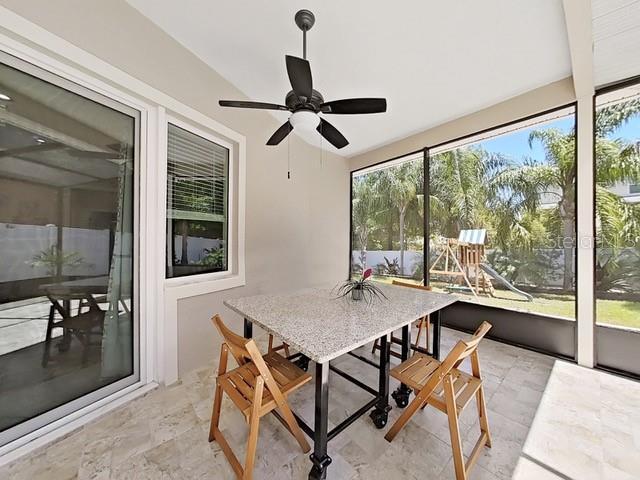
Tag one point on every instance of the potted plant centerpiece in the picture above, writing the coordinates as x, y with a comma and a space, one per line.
361, 288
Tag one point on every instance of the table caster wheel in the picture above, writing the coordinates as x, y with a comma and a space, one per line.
379, 418
401, 397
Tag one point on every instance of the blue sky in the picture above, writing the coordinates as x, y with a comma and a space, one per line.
516, 144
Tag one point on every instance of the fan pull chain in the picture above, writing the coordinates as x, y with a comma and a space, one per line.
289, 158
321, 150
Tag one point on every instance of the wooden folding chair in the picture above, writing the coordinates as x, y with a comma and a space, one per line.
282, 346
443, 386
259, 385
424, 323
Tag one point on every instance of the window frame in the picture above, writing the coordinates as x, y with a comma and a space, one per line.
231, 209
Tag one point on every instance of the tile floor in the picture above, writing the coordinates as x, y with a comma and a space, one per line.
23, 324
549, 420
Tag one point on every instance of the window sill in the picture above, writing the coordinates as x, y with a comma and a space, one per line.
191, 286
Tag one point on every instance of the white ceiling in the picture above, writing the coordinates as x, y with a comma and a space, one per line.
616, 38
433, 60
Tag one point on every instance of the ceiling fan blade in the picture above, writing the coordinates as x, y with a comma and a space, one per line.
332, 134
299, 72
280, 134
355, 106
244, 104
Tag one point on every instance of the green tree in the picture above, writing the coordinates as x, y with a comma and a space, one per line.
459, 189
364, 206
554, 177
401, 184
617, 222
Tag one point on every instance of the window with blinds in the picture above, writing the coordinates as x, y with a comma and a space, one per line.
197, 191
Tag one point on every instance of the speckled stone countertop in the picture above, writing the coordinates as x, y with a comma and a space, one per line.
324, 327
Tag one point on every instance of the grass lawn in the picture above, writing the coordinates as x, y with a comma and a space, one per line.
612, 312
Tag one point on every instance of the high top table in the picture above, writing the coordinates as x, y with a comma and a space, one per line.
322, 327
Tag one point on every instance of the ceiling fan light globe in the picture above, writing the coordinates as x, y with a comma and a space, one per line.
305, 120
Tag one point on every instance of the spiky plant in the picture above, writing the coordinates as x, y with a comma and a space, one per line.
361, 288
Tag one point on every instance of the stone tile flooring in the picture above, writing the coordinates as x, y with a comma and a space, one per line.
587, 425
23, 324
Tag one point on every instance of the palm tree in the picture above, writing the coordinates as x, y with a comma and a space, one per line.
616, 161
364, 206
401, 185
458, 190
618, 223
554, 177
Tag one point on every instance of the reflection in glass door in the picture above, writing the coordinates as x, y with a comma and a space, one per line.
66, 241
617, 259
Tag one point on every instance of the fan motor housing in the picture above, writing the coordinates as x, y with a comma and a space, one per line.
293, 102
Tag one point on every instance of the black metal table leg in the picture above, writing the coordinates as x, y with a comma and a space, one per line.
401, 394
380, 414
435, 320
248, 329
319, 457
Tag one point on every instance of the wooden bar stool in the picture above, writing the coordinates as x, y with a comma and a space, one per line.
423, 324
448, 389
258, 386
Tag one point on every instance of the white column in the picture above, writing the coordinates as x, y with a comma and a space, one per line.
579, 21
586, 241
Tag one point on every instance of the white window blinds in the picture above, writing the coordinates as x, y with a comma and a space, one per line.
197, 175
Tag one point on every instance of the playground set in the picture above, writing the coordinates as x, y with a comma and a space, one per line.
464, 259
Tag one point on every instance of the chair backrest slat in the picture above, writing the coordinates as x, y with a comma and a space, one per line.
237, 344
462, 350
472, 344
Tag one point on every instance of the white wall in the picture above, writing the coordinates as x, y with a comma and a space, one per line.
287, 221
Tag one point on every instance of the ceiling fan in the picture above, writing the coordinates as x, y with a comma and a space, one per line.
305, 103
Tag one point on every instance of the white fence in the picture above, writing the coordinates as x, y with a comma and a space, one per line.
412, 259
20, 244
195, 247
552, 260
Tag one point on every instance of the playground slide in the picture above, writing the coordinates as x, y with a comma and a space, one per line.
504, 281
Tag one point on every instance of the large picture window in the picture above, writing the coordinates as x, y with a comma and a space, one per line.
617, 175
197, 199
501, 221
387, 219
503, 218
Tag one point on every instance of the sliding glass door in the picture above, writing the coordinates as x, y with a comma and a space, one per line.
67, 323
617, 259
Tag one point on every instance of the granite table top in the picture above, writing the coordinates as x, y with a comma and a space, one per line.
324, 327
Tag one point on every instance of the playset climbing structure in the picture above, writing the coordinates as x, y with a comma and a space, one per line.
461, 258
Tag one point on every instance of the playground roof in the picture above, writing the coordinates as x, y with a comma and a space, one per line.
474, 237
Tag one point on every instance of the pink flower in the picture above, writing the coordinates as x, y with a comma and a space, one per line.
367, 273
